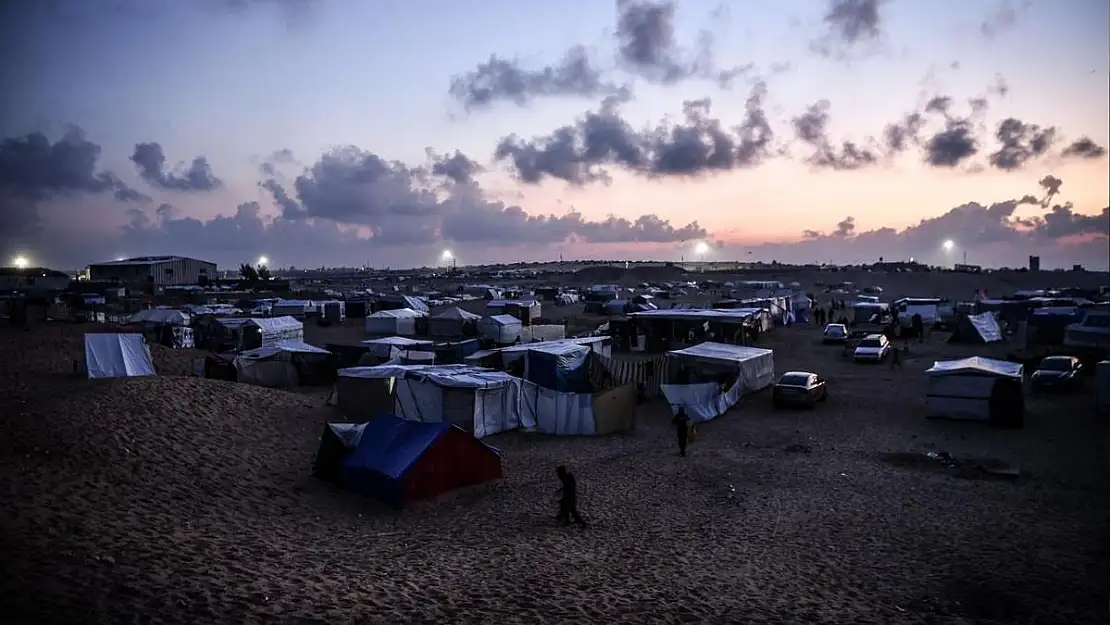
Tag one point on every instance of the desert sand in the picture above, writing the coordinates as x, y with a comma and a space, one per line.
181, 500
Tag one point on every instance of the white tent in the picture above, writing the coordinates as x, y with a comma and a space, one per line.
273, 364
400, 321
293, 307
160, 316
333, 310
698, 369
451, 322
387, 346
259, 331
117, 356
501, 329
480, 400
977, 389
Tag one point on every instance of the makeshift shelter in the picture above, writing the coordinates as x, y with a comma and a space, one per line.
285, 364
501, 329
526, 310
297, 308
978, 329
709, 378
333, 310
478, 400
161, 316
336, 444
398, 461
559, 366
117, 356
260, 331
400, 321
976, 389
602, 412
453, 322
387, 347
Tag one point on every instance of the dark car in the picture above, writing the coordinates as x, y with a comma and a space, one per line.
1057, 372
799, 388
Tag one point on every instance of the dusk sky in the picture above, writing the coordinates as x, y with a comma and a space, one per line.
345, 132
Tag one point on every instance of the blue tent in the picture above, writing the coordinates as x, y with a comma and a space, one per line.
397, 461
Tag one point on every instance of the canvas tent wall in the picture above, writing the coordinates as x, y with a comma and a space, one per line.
161, 316
501, 329
388, 346
453, 322
360, 393
709, 378
398, 461
260, 331
117, 356
976, 389
978, 329
333, 310
296, 308
285, 364
401, 321
548, 411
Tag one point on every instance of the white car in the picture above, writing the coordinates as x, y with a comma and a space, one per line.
835, 333
873, 348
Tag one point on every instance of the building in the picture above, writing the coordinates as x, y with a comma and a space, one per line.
159, 271
27, 279
1034, 263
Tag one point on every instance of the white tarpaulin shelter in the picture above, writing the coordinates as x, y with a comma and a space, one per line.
259, 331
549, 411
273, 364
702, 402
401, 321
387, 346
755, 366
117, 356
160, 316
501, 329
479, 400
452, 322
981, 328
977, 389
713, 376
293, 307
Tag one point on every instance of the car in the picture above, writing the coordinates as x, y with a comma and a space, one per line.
1057, 373
873, 348
799, 388
834, 333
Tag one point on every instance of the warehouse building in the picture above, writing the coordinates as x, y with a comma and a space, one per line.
160, 271
28, 279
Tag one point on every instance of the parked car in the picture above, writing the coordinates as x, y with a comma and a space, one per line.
873, 348
834, 333
799, 388
1057, 372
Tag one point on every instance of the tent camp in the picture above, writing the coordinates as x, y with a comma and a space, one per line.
501, 329
709, 378
285, 364
478, 400
117, 356
398, 461
160, 316
297, 308
260, 331
976, 389
453, 322
979, 329
401, 321
387, 347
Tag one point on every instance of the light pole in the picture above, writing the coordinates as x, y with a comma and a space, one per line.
700, 250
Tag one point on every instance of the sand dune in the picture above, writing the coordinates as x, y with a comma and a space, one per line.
190, 501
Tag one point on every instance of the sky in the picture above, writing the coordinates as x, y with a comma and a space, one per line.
349, 132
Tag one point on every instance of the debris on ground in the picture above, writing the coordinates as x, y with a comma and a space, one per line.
798, 448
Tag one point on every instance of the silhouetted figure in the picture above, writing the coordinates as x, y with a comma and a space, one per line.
918, 327
568, 499
682, 428
895, 357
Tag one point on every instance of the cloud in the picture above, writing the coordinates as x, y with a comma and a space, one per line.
501, 79
1051, 186
811, 127
150, 160
1020, 143
849, 23
458, 167
1084, 147
33, 170
700, 144
272, 163
1003, 18
955, 143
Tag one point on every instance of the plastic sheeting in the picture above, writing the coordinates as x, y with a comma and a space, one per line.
382, 347
401, 321
117, 356
483, 411
502, 329
976, 365
756, 366
160, 316
550, 412
703, 402
561, 367
276, 329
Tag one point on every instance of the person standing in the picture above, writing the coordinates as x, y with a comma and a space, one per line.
568, 500
682, 429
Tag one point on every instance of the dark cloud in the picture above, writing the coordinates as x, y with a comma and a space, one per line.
272, 163
901, 135
150, 160
1084, 147
700, 144
506, 80
1020, 143
849, 23
811, 127
33, 170
399, 205
1051, 186
953, 145
646, 41
1003, 18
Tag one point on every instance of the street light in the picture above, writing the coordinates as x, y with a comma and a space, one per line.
262, 260
949, 245
700, 250
446, 256
21, 262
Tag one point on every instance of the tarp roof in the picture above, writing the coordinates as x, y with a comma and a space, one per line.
505, 320
455, 376
720, 352
696, 314
160, 315
274, 323
501, 303
399, 341
391, 446
296, 347
400, 313
458, 313
554, 347
976, 364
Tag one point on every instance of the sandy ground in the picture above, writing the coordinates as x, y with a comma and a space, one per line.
180, 500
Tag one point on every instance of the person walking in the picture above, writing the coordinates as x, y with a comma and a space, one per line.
568, 499
682, 429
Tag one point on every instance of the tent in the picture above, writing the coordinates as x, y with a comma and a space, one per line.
578, 414
400, 321
336, 444
976, 389
501, 329
260, 331
453, 322
297, 308
117, 356
478, 400
978, 329
160, 316
388, 346
285, 364
559, 366
333, 310
361, 395
709, 378
398, 461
